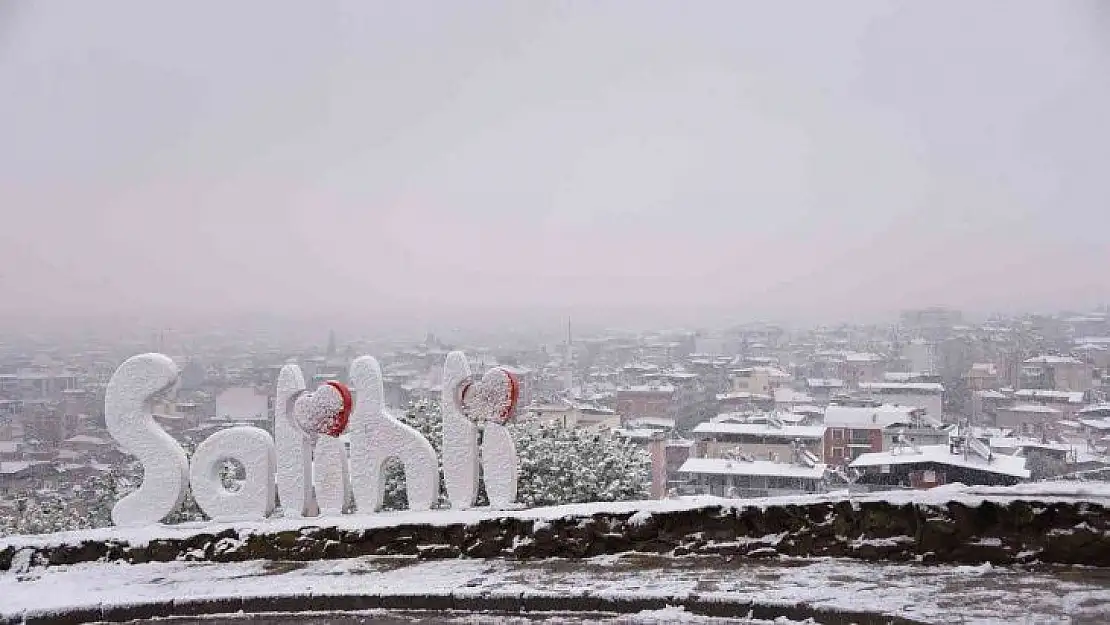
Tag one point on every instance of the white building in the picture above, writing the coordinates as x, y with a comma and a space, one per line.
927, 395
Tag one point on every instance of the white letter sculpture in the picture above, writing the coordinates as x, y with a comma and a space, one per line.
127, 413
312, 469
294, 448
492, 402
377, 436
313, 472
460, 436
254, 449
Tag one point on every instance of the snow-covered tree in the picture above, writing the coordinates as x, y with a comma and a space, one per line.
558, 465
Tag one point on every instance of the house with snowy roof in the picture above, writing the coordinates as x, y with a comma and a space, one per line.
1060, 373
769, 439
926, 395
822, 389
787, 398
860, 367
1028, 418
645, 400
759, 379
1069, 403
744, 400
575, 414
851, 430
745, 477
965, 461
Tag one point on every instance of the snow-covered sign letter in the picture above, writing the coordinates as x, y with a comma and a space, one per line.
127, 413
254, 449
490, 401
377, 436
312, 469
294, 448
460, 435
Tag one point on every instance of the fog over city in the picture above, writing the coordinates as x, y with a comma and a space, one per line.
555, 311
619, 162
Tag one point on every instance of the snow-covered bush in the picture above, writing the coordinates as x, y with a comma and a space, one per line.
558, 465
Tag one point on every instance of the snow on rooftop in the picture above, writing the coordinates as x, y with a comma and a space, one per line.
868, 417
984, 367
1013, 442
647, 388
86, 440
790, 396
723, 466
760, 429
824, 383
916, 387
1002, 464
991, 394
652, 423
773, 372
1033, 408
741, 395
904, 376
1053, 360
1096, 424
1071, 397
11, 468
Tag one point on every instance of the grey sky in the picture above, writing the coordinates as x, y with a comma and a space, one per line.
796, 160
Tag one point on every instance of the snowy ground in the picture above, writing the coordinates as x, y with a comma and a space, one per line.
931, 594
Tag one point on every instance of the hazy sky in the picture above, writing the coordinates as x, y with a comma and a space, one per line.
794, 160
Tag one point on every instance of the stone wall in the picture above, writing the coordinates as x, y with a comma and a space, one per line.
1002, 532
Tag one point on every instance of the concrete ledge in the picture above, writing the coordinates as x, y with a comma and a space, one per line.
717, 605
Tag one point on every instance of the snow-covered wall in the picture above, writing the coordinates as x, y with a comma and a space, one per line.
966, 525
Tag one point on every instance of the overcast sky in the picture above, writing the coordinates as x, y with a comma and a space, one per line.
670, 160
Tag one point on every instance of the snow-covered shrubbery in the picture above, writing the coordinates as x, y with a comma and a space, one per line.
558, 465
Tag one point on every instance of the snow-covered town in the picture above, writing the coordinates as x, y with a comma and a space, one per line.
743, 414
554, 312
